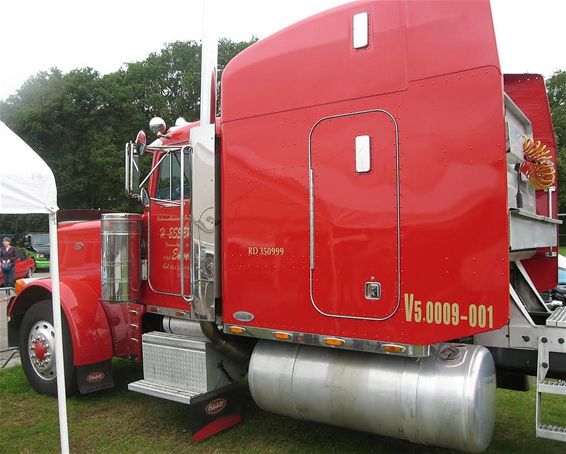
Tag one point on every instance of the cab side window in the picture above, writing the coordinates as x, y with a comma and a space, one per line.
169, 184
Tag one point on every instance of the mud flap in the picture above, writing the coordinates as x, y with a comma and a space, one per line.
215, 411
95, 377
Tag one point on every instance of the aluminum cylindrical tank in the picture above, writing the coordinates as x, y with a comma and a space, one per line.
121, 266
182, 327
446, 399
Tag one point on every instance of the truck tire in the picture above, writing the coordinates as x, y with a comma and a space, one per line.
37, 350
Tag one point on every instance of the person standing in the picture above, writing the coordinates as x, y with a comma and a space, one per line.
8, 261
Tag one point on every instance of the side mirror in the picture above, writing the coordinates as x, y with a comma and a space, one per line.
141, 142
132, 174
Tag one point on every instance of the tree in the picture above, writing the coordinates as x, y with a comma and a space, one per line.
78, 122
556, 87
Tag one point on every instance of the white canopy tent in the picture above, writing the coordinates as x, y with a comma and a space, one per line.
27, 185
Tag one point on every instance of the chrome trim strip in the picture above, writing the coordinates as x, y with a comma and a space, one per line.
166, 311
398, 202
127, 168
361, 345
311, 211
188, 298
550, 205
170, 178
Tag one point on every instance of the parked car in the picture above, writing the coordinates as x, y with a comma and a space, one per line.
37, 247
25, 266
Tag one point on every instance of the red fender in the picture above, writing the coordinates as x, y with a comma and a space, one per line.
90, 331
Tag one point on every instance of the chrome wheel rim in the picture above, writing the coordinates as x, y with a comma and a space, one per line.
41, 349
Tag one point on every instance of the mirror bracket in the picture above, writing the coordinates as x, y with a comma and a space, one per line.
132, 174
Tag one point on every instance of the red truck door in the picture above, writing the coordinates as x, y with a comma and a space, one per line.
354, 215
164, 248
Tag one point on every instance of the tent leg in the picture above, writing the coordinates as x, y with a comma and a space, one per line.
59, 361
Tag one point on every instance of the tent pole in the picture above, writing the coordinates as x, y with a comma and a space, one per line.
59, 360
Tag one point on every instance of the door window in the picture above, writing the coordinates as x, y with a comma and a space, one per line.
169, 183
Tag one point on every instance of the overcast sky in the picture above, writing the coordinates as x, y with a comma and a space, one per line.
38, 34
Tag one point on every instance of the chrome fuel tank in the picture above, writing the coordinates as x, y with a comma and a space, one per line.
120, 267
446, 399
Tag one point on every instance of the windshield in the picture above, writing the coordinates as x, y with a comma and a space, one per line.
41, 240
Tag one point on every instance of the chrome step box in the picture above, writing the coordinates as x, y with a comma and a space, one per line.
180, 368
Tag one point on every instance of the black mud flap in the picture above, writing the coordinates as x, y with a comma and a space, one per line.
95, 377
213, 412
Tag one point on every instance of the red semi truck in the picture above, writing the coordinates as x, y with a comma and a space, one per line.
363, 234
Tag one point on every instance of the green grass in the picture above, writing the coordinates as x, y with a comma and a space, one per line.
120, 421
562, 250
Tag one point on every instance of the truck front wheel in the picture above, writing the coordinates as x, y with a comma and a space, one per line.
37, 350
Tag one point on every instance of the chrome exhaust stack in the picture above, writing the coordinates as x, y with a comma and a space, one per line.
205, 211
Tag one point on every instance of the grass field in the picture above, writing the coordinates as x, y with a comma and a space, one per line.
120, 421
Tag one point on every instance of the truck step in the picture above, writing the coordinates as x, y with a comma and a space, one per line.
557, 433
552, 387
163, 391
557, 318
545, 386
181, 368
175, 362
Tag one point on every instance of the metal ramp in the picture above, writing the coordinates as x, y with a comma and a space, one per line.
546, 345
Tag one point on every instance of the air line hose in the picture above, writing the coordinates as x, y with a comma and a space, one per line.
538, 166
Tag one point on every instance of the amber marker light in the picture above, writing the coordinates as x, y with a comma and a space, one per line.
281, 336
19, 285
237, 330
334, 342
392, 348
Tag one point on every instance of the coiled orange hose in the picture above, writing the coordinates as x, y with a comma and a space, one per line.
538, 166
